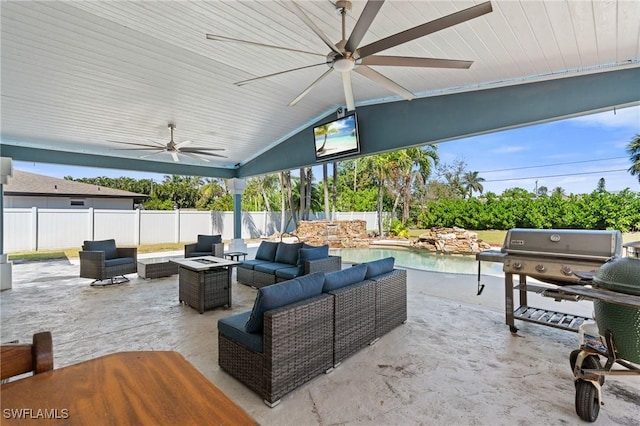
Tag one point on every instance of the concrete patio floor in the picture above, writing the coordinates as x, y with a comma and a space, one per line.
453, 363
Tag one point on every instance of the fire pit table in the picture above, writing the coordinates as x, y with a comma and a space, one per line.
205, 282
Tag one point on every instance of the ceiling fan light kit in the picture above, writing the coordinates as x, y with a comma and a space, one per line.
347, 55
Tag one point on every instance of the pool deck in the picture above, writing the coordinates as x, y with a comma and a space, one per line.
453, 363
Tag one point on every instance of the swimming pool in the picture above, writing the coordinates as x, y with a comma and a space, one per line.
420, 259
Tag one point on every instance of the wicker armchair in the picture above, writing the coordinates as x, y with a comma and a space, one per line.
102, 260
207, 245
23, 358
297, 346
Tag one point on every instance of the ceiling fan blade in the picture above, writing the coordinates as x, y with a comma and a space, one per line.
348, 91
312, 25
243, 82
183, 143
210, 154
383, 81
406, 61
199, 148
174, 154
308, 89
153, 153
159, 149
157, 146
424, 29
196, 157
270, 46
364, 22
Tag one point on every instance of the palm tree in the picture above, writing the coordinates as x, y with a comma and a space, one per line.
634, 151
324, 130
472, 183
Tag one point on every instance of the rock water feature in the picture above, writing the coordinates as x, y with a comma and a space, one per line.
353, 233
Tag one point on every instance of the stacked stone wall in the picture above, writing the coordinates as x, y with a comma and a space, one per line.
337, 233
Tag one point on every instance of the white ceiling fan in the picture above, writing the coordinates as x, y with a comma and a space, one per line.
173, 148
346, 55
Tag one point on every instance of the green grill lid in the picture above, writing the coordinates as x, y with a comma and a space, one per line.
620, 274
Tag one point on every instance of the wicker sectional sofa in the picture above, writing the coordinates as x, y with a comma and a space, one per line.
278, 261
303, 327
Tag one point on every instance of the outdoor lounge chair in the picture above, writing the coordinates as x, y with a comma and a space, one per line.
26, 357
207, 245
102, 260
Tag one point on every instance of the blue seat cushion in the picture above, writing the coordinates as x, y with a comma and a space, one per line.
379, 267
282, 294
288, 253
270, 267
206, 242
233, 328
107, 246
250, 264
200, 253
345, 277
119, 261
267, 251
288, 273
312, 253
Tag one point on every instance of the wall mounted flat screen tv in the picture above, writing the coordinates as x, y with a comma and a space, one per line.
337, 138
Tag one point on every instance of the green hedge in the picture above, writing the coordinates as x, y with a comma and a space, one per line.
521, 209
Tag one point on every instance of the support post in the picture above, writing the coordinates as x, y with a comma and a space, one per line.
236, 187
6, 279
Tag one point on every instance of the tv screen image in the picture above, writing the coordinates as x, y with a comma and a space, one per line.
337, 138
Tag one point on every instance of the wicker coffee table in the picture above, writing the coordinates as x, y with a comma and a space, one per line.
204, 282
156, 267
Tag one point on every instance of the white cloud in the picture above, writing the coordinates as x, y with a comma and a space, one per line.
622, 118
510, 149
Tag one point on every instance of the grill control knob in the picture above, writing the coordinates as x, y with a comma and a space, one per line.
517, 265
566, 270
540, 267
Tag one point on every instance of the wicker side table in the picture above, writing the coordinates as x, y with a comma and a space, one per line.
157, 267
204, 290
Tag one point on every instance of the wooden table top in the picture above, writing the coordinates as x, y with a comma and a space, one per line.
126, 388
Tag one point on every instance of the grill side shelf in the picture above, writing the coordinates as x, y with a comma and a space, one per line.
549, 318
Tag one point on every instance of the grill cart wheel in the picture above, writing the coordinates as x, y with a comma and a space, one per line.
587, 404
592, 362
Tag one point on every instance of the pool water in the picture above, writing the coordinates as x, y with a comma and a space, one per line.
419, 259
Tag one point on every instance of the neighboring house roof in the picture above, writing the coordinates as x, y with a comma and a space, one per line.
23, 183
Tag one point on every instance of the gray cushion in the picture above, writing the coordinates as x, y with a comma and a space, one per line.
288, 273
282, 294
271, 267
206, 242
378, 267
267, 251
345, 277
200, 253
288, 253
250, 264
118, 261
313, 253
107, 246
233, 328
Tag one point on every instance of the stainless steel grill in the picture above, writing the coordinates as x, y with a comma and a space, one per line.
552, 256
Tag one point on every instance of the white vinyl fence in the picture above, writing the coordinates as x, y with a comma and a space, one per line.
33, 229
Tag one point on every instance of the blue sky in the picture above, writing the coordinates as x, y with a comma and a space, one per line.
598, 142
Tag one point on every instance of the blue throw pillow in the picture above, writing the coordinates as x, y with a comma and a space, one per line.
282, 294
267, 251
206, 242
379, 267
313, 253
107, 246
288, 253
343, 278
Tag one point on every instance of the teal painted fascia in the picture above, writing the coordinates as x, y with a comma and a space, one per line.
397, 125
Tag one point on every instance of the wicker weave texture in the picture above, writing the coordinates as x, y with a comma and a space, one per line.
330, 264
261, 279
391, 301
217, 249
157, 270
355, 318
205, 290
244, 276
298, 346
